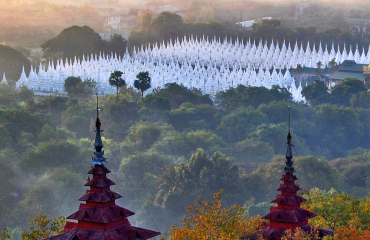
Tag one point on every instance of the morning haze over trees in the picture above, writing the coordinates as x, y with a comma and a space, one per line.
221, 156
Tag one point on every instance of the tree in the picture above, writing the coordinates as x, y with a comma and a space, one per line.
316, 93
25, 93
178, 94
337, 210
146, 22
167, 25
299, 70
239, 123
210, 220
343, 92
201, 175
41, 227
266, 27
250, 96
73, 41
116, 80
332, 64
318, 68
74, 86
117, 44
143, 82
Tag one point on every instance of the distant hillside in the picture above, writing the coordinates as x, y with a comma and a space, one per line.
11, 62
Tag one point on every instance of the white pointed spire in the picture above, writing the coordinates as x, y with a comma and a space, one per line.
4, 81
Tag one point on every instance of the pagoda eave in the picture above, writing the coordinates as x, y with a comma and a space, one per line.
101, 215
124, 232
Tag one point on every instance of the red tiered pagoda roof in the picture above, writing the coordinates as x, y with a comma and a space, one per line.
288, 213
100, 218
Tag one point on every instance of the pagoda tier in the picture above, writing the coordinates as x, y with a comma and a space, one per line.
99, 218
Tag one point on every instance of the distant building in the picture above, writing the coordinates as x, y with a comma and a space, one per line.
299, 9
249, 24
350, 69
122, 23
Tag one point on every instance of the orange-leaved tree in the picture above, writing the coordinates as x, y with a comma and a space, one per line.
210, 220
348, 215
41, 227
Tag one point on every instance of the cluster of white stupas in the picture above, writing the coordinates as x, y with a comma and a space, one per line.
210, 65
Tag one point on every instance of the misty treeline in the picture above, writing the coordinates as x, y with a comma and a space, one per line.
168, 26
177, 144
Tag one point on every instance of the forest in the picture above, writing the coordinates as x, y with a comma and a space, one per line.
176, 149
178, 142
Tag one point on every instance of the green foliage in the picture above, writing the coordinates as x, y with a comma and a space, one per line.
266, 27
201, 175
239, 123
253, 151
41, 227
167, 25
316, 93
142, 83
183, 144
74, 86
8, 96
16, 122
345, 90
341, 124
178, 95
76, 117
54, 105
250, 96
48, 155
337, 210
116, 80
25, 94
155, 103
143, 170
142, 136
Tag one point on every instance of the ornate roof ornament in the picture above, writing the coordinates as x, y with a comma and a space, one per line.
289, 154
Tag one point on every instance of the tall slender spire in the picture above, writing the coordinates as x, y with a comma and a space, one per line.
289, 153
99, 153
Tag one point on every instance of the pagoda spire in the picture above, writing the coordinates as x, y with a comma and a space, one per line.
289, 153
99, 153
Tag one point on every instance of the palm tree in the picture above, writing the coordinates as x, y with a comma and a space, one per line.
116, 80
318, 68
142, 83
299, 70
332, 64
